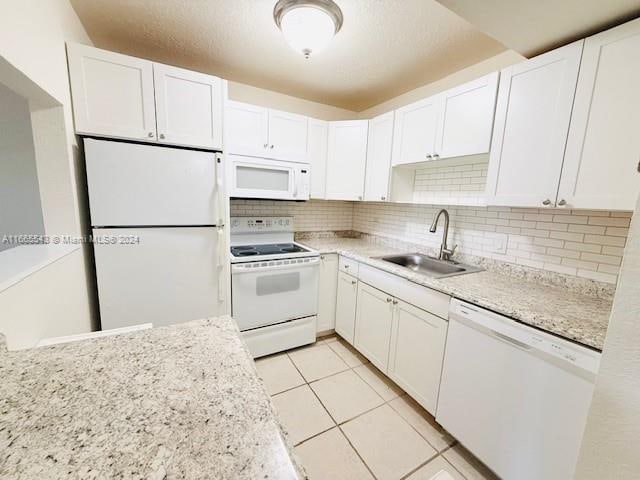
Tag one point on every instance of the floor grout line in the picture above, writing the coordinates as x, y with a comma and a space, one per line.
385, 402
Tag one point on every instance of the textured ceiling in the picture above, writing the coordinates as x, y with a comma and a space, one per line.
385, 47
532, 27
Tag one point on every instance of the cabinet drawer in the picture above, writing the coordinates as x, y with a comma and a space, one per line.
425, 298
347, 265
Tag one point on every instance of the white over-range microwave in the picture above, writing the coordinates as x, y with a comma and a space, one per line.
253, 177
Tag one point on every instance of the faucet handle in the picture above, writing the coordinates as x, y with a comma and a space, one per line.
448, 252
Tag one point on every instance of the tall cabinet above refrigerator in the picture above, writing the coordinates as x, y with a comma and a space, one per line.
157, 217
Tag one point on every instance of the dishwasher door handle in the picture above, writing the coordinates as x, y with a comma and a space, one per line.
513, 341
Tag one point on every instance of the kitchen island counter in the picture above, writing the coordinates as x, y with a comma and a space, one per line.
183, 401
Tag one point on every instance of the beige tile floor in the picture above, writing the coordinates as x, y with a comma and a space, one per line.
348, 421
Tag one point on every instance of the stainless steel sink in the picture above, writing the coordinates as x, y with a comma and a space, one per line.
430, 266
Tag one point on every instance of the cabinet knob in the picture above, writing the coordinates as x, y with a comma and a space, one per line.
162, 136
395, 302
546, 202
150, 135
383, 198
353, 282
428, 156
346, 267
265, 145
359, 197
562, 202
321, 257
271, 146
388, 300
435, 156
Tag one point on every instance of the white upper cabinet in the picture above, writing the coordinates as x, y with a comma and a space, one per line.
112, 94
317, 140
260, 132
530, 132
603, 149
346, 160
414, 137
118, 96
246, 129
188, 107
287, 136
379, 145
466, 121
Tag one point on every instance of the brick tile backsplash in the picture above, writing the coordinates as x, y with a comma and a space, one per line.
583, 243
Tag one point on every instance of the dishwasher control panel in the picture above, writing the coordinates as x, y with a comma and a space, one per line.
525, 337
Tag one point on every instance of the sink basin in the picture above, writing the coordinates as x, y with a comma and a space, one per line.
430, 266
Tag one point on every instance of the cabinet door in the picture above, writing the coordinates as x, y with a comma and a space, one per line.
346, 298
317, 151
530, 132
466, 122
246, 129
346, 159
373, 325
188, 107
603, 149
112, 94
287, 136
414, 137
327, 289
376, 184
417, 352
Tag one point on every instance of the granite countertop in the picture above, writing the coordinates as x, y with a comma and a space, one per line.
569, 313
173, 402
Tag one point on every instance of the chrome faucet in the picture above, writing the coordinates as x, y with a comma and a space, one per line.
445, 252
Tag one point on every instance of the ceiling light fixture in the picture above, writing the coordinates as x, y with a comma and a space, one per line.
308, 25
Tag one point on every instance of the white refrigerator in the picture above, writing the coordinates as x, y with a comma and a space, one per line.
158, 232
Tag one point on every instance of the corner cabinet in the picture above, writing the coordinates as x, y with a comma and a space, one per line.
327, 292
346, 300
114, 96
532, 119
602, 160
346, 160
317, 140
379, 146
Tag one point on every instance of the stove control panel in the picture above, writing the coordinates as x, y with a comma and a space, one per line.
261, 224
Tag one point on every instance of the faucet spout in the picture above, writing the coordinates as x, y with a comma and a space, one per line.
445, 252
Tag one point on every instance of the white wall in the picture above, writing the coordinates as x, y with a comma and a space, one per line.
610, 444
33, 63
268, 98
485, 67
21, 212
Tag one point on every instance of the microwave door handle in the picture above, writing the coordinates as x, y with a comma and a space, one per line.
295, 183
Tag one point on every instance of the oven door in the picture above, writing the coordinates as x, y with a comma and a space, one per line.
266, 293
261, 178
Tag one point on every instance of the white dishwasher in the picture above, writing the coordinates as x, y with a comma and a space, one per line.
517, 398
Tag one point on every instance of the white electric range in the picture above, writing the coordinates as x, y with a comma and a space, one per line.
274, 284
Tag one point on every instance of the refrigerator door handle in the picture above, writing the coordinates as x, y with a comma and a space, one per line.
221, 264
219, 190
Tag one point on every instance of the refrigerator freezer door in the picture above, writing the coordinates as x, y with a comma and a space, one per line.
170, 276
144, 185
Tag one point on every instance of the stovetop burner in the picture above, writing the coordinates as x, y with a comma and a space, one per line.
268, 249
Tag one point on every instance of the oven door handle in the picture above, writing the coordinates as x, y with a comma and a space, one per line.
244, 268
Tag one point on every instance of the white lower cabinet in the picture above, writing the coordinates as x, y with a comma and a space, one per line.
327, 292
417, 352
373, 325
346, 298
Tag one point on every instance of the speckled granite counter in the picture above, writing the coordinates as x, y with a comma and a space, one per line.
566, 312
173, 402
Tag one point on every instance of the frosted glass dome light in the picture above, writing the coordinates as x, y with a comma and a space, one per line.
308, 25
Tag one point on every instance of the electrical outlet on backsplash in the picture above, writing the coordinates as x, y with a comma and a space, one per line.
583, 243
